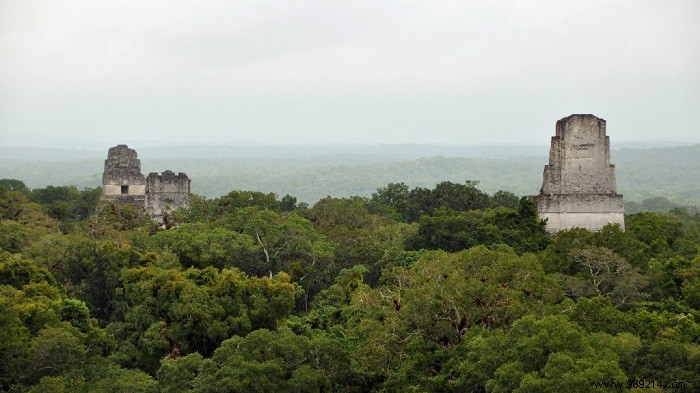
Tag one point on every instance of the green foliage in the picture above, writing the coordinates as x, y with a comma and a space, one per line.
21, 221
434, 304
505, 199
281, 360
392, 200
288, 203
598, 314
446, 230
548, 354
460, 197
118, 222
102, 281
55, 351
200, 209
18, 272
445, 289
58, 384
198, 245
670, 360
624, 244
676, 278
598, 271
13, 236
328, 304
12, 204
179, 374
13, 185
172, 312
240, 199
666, 234
70, 258
349, 213
411, 205
44, 336
119, 380
67, 203
14, 339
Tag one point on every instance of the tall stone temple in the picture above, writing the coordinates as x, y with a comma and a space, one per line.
578, 189
123, 183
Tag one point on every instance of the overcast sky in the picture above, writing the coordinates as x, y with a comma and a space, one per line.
457, 72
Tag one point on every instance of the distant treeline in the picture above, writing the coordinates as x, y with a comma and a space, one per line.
670, 172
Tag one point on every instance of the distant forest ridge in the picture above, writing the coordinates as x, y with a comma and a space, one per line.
313, 172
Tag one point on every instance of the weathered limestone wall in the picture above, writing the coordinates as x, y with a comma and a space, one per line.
590, 211
166, 192
122, 181
592, 222
113, 189
578, 188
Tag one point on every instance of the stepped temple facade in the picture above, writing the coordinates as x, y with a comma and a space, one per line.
578, 187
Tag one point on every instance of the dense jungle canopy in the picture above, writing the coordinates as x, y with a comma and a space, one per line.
442, 289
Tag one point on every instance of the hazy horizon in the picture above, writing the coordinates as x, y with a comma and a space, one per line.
314, 72
76, 143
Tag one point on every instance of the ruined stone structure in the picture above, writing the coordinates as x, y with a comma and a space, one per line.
578, 189
166, 191
123, 183
122, 180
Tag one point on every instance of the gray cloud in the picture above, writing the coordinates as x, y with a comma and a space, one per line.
348, 71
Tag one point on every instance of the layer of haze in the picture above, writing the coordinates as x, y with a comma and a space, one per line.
445, 72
